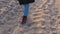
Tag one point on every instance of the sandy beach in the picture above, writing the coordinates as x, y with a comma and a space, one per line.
43, 17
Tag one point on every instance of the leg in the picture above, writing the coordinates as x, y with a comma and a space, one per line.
26, 11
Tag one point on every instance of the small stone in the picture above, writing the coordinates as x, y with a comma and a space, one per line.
1, 23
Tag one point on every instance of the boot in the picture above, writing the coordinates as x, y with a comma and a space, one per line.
24, 19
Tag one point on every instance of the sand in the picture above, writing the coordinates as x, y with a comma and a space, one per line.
43, 17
